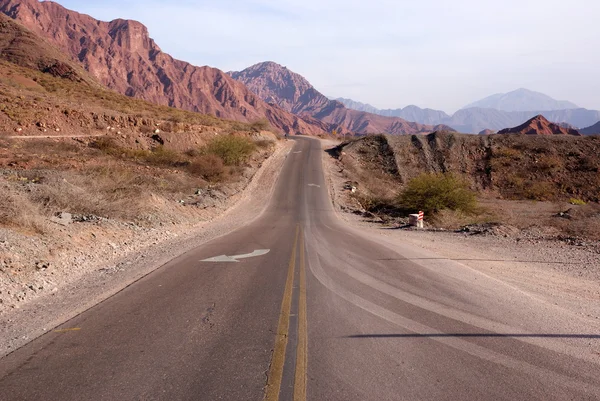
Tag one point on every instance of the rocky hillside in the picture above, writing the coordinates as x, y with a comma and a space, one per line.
121, 55
539, 125
277, 84
88, 175
593, 130
24, 48
522, 100
507, 166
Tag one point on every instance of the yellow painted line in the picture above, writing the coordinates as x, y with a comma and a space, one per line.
278, 359
67, 330
302, 348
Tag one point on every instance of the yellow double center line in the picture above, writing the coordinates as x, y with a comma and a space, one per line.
275, 376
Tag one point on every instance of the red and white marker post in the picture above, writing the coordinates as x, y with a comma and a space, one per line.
416, 220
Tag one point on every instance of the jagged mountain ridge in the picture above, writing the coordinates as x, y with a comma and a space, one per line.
474, 120
539, 125
410, 113
277, 84
121, 55
521, 100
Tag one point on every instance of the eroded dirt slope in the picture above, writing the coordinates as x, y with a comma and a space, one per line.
547, 185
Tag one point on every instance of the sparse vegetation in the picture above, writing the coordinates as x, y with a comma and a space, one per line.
210, 167
517, 180
579, 202
124, 174
233, 150
261, 125
434, 192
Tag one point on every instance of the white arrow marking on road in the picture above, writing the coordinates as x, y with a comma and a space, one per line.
297, 152
314, 185
234, 258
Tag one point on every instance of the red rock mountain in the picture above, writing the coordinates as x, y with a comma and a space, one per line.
292, 92
539, 125
122, 56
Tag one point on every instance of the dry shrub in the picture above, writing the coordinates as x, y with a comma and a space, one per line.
161, 156
146, 129
47, 146
112, 190
105, 193
508, 153
451, 219
540, 191
261, 125
18, 211
106, 145
210, 167
264, 143
549, 163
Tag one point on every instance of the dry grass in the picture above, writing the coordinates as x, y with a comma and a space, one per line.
111, 190
16, 210
210, 167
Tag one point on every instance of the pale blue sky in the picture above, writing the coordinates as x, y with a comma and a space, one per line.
390, 53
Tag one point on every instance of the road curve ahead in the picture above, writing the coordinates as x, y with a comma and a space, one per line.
296, 305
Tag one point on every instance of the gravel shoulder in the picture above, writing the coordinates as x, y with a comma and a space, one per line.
555, 271
122, 254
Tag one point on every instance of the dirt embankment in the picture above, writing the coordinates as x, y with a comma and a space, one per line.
90, 178
531, 257
79, 260
545, 184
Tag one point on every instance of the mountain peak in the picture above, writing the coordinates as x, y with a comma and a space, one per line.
279, 85
121, 55
522, 99
292, 92
539, 125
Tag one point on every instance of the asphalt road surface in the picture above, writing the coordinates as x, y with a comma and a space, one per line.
329, 313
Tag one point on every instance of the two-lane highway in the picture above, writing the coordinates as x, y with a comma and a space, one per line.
328, 313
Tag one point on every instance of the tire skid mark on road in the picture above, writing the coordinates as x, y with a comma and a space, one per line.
456, 314
456, 343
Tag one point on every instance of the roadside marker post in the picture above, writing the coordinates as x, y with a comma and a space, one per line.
416, 220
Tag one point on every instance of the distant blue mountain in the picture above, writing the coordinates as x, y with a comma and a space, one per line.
521, 100
475, 119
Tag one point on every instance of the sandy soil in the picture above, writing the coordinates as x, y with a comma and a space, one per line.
558, 272
124, 254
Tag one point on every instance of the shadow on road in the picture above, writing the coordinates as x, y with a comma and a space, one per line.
478, 335
486, 260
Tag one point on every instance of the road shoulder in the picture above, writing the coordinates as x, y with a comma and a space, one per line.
95, 282
556, 272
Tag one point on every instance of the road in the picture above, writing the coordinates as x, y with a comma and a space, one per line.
329, 313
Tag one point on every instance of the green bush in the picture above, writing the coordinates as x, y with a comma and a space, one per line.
434, 192
233, 150
575, 201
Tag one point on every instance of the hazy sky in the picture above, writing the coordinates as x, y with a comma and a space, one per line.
390, 53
